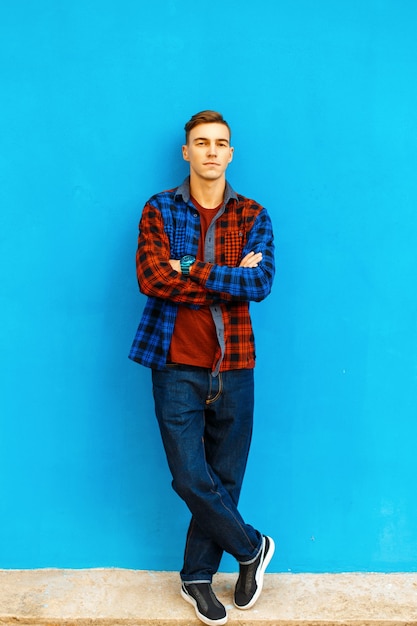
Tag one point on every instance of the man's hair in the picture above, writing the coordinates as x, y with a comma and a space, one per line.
205, 117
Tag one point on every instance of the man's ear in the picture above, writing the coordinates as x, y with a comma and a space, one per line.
185, 153
231, 154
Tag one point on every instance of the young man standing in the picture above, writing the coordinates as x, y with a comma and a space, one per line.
204, 252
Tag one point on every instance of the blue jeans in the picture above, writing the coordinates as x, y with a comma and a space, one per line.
206, 428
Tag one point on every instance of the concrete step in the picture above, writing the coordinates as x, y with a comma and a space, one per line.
117, 597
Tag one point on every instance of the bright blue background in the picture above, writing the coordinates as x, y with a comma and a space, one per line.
322, 99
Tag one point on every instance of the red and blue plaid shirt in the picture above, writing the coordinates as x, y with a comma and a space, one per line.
169, 229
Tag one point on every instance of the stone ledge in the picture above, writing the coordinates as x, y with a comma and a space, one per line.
116, 597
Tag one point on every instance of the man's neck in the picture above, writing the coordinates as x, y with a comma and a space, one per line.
208, 193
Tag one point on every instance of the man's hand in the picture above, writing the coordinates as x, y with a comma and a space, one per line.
175, 264
251, 260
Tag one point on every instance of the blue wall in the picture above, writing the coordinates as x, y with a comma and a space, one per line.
322, 98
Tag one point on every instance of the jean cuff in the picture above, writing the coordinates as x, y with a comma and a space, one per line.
256, 556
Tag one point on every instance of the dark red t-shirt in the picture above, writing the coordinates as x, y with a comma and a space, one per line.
194, 341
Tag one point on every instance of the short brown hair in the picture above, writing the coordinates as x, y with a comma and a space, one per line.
205, 117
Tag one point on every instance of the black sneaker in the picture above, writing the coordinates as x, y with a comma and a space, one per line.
205, 603
251, 577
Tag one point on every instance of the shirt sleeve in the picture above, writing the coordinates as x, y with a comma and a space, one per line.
154, 273
243, 283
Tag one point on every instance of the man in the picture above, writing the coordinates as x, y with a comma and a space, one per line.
203, 253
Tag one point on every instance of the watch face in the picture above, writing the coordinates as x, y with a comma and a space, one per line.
188, 259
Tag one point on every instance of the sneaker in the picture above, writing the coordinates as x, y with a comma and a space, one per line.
251, 577
207, 607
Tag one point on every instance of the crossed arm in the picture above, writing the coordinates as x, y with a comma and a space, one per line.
160, 276
250, 260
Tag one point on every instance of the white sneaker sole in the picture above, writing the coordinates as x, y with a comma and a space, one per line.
203, 618
259, 577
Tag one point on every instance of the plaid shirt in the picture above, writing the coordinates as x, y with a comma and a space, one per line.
170, 228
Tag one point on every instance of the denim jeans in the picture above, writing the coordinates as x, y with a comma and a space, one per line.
206, 428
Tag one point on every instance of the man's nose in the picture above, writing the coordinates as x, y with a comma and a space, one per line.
212, 148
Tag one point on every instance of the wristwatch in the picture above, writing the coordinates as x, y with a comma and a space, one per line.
185, 263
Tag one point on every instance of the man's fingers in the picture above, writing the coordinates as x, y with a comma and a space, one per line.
251, 260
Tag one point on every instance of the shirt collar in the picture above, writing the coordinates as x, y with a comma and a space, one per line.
184, 191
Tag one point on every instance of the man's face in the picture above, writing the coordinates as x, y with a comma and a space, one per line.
208, 150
